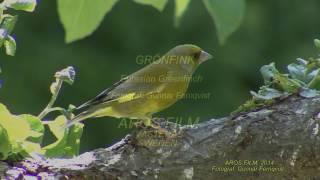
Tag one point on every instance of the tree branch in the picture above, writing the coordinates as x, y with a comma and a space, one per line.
280, 140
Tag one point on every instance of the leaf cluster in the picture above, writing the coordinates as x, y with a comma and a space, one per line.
81, 18
21, 135
303, 78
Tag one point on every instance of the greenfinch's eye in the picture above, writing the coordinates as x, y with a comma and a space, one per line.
197, 55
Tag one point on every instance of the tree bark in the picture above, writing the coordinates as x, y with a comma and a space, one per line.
279, 141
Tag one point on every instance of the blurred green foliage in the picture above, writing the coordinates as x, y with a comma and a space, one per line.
227, 15
80, 18
271, 31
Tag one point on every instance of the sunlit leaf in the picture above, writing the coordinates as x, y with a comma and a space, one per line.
57, 148
24, 133
16, 127
5, 146
73, 141
180, 8
158, 4
227, 16
81, 17
36, 126
28, 148
68, 140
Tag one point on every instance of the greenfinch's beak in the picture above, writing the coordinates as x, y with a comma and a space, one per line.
204, 56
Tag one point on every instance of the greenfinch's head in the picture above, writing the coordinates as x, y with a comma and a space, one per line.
187, 56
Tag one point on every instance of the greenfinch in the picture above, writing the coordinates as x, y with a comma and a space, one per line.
149, 90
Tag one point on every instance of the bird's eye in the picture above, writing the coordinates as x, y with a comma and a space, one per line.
196, 55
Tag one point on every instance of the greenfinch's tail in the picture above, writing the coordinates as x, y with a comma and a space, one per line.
90, 113
78, 118
69, 123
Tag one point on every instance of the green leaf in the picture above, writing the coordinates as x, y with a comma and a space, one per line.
3, 36
312, 75
158, 4
309, 93
10, 45
24, 133
227, 15
269, 72
180, 8
30, 148
18, 130
8, 22
73, 141
68, 140
302, 61
5, 146
80, 18
71, 107
297, 71
36, 126
6, 27
67, 75
24, 5
56, 149
266, 93
315, 79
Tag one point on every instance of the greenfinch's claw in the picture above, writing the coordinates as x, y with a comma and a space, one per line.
164, 132
139, 124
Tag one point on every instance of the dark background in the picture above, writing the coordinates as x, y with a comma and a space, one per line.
272, 30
